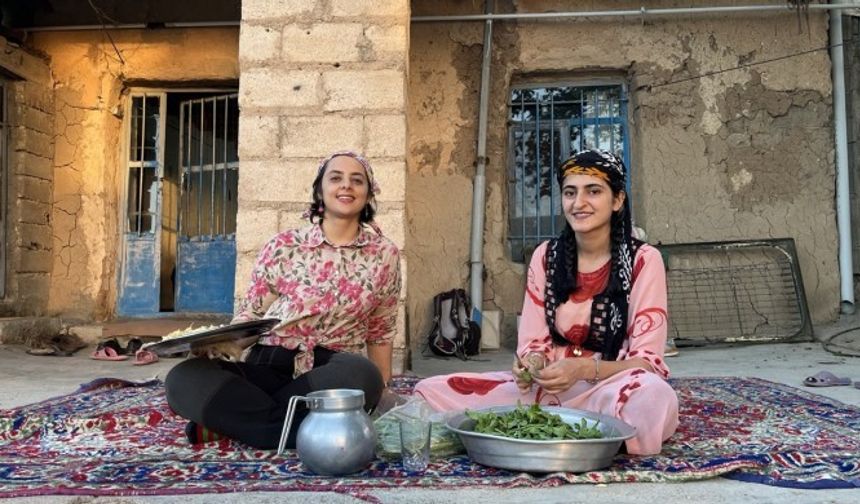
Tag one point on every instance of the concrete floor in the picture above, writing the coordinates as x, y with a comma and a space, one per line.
27, 379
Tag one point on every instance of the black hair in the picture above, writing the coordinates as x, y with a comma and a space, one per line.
562, 262
566, 271
317, 206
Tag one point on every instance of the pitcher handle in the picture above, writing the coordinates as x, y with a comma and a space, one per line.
288, 421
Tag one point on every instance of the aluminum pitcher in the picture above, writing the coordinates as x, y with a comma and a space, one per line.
337, 437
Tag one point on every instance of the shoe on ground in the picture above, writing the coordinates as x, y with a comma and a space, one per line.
671, 350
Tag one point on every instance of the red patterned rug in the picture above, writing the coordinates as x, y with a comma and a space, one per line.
113, 437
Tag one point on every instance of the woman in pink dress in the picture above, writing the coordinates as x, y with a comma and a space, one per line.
594, 323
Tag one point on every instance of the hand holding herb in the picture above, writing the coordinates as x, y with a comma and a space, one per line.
532, 423
526, 372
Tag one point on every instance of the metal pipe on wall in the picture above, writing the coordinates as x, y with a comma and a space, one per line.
641, 12
479, 184
476, 260
137, 26
843, 196
489, 16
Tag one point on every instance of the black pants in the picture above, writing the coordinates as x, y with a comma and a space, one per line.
247, 401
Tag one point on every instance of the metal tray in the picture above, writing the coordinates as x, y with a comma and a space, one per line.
219, 335
573, 455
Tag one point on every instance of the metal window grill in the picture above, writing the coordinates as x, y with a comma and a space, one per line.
210, 167
546, 125
745, 291
143, 164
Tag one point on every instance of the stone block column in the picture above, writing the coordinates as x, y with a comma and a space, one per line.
319, 76
29, 180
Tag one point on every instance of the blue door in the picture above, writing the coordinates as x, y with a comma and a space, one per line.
209, 168
141, 238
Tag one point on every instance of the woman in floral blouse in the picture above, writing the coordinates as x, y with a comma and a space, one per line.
335, 286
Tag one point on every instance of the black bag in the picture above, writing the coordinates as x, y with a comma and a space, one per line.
453, 333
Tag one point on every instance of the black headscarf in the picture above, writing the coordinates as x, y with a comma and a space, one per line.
608, 327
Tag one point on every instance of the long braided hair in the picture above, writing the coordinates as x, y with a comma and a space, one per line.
609, 308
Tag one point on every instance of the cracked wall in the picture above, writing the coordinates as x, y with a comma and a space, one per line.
29, 177
91, 77
444, 76
742, 154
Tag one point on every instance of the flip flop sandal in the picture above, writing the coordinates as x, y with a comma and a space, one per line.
65, 345
42, 351
825, 379
133, 346
111, 343
109, 350
144, 357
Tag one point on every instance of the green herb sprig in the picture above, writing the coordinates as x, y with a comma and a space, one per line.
525, 376
532, 423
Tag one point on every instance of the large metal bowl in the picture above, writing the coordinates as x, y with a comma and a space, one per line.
574, 455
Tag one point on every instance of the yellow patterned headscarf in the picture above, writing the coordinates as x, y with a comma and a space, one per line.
601, 164
571, 168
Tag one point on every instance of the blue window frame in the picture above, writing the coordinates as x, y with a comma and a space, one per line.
546, 125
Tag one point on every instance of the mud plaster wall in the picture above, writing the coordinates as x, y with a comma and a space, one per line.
740, 155
89, 177
28, 177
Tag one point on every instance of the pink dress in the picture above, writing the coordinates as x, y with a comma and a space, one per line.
640, 397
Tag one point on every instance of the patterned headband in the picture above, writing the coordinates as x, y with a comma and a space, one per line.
571, 168
601, 164
374, 187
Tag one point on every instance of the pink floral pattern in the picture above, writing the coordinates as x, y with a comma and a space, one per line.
637, 396
336, 297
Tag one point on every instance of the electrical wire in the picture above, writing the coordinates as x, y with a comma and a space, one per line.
837, 349
650, 87
102, 16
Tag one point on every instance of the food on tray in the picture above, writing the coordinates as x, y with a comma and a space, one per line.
191, 338
188, 331
532, 423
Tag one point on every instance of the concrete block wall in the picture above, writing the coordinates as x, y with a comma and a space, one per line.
29, 178
316, 77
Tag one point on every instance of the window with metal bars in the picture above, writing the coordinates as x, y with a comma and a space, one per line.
546, 125
143, 161
209, 160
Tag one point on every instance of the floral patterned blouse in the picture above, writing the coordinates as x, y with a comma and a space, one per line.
336, 297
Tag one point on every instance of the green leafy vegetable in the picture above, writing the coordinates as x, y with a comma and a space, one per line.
536, 362
525, 376
532, 423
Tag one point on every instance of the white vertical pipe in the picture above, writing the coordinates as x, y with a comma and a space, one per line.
843, 198
476, 261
